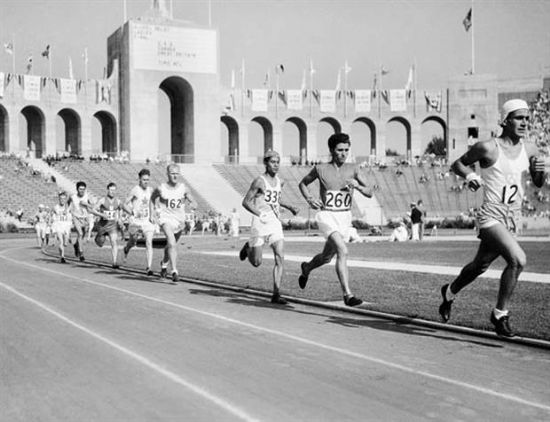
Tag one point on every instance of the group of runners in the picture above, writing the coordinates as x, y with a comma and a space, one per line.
501, 160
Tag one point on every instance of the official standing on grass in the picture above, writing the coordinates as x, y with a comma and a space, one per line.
337, 182
502, 162
263, 201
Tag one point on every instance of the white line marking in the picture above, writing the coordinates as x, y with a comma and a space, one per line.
141, 359
402, 266
299, 340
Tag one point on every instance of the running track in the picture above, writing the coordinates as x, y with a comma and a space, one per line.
82, 343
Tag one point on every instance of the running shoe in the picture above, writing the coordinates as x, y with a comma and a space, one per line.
149, 272
243, 254
352, 301
175, 277
81, 257
76, 251
163, 271
116, 266
445, 307
502, 326
302, 280
125, 251
278, 300
62, 260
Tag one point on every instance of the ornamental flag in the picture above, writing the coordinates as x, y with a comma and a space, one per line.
467, 21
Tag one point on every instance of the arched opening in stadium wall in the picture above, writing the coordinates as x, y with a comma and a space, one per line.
266, 136
399, 140
363, 138
433, 127
181, 134
105, 128
32, 130
68, 130
295, 139
232, 128
4, 124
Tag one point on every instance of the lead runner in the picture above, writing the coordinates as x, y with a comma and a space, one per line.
337, 182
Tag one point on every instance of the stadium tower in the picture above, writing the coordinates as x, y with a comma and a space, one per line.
156, 52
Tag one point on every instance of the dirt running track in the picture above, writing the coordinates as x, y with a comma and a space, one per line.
82, 343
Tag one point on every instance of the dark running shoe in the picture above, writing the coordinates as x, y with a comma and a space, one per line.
175, 277
82, 258
116, 266
62, 260
445, 307
278, 300
149, 272
125, 250
352, 301
302, 280
243, 254
76, 251
502, 326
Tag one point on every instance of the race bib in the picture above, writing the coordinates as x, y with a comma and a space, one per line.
111, 214
337, 200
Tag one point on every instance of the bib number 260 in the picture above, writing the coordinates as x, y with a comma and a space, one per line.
337, 200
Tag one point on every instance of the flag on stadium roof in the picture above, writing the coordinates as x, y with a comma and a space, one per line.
8, 47
46, 52
29, 64
467, 21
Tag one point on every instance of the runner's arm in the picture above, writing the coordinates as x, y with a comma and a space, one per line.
303, 186
255, 189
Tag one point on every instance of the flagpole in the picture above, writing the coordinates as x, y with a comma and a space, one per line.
379, 92
209, 13
13, 53
86, 64
50, 60
414, 87
124, 12
277, 92
310, 88
345, 88
242, 87
473, 43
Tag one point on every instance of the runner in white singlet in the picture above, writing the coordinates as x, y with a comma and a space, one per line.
337, 182
502, 162
79, 204
137, 205
41, 225
263, 201
168, 210
61, 224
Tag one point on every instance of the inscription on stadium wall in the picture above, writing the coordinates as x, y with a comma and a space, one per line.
172, 48
472, 93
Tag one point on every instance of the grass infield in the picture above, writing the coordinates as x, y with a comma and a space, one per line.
410, 294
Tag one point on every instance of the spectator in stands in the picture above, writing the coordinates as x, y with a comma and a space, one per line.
416, 219
503, 161
263, 201
337, 182
399, 233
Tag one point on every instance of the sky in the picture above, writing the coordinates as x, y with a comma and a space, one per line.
512, 37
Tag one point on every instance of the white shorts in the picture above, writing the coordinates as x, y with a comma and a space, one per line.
62, 228
334, 221
41, 229
144, 226
173, 223
269, 232
490, 214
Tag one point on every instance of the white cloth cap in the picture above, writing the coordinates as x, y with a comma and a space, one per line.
510, 106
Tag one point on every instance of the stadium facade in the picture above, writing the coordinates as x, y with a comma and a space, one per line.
210, 123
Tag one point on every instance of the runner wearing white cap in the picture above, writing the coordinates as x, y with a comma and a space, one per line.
502, 161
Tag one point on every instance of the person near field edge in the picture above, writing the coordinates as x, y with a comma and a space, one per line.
263, 201
502, 162
337, 182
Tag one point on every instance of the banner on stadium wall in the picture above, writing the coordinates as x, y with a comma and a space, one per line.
31, 87
259, 100
398, 100
362, 100
294, 99
68, 91
1, 84
328, 101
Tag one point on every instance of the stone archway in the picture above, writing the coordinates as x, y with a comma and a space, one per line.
302, 137
4, 132
233, 139
108, 125
407, 126
72, 139
267, 128
35, 130
182, 142
371, 149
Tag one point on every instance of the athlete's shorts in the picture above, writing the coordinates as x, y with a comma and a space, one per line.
81, 223
62, 228
334, 221
104, 229
491, 214
41, 229
141, 226
173, 223
269, 232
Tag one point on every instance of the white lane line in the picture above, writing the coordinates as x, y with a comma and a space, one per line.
141, 359
402, 266
342, 351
